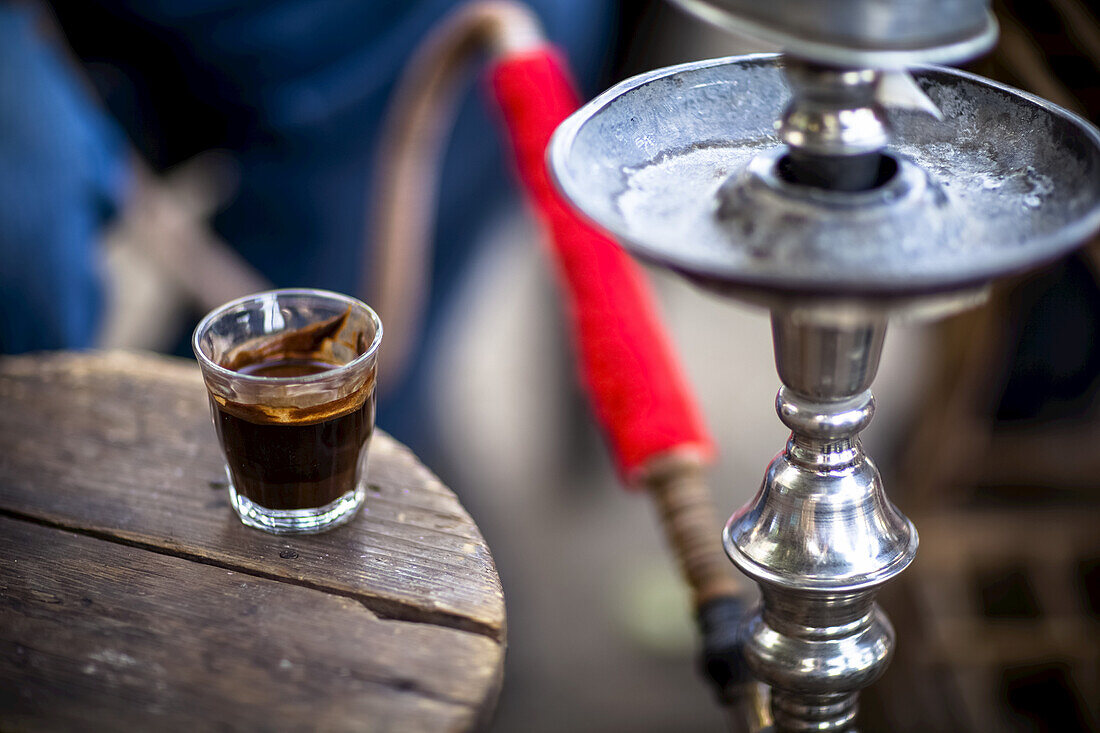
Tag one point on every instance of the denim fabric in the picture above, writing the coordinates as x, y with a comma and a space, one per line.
62, 173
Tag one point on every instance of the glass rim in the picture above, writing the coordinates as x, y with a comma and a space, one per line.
206, 362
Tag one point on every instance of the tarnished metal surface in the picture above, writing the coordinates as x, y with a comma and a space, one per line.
860, 32
1006, 181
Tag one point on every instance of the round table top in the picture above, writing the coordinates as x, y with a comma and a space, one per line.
131, 596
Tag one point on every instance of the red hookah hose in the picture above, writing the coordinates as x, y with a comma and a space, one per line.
634, 382
637, 388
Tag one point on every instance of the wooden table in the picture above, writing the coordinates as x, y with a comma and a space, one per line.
131, 597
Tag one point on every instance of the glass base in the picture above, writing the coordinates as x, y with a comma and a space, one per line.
298, 521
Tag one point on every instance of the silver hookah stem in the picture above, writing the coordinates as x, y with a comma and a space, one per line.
820, 537
834, 127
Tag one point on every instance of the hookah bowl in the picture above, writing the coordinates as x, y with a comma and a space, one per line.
839, 217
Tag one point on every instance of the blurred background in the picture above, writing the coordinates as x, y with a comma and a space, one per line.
160, 157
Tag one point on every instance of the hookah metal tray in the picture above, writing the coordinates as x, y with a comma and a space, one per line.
683, 166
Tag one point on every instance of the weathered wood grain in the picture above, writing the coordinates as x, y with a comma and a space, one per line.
95, 635
119, 445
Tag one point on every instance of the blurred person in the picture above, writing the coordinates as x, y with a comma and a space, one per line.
295, 90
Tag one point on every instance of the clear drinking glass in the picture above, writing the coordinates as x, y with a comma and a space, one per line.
291, 379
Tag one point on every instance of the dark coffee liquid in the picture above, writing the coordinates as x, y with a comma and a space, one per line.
286, 367
299, 465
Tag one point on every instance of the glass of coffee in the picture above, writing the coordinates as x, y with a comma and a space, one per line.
291, 378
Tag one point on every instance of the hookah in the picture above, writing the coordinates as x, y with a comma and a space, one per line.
841, 184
